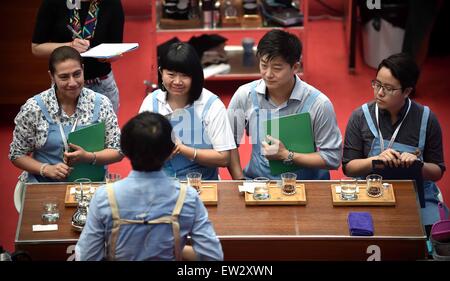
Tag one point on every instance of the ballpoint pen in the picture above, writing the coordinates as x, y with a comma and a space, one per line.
74, 32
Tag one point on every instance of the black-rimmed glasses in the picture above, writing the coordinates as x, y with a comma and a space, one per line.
387, 90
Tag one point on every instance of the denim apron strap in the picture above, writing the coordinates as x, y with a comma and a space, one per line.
310, 100
369, 120
423, 128
255, 104
155, 100
97, 105
44, 110
51, 151
208, 105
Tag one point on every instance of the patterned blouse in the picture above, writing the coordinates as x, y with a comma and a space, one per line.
31, 128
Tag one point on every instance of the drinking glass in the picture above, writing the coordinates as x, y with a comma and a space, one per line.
348, 188
288, 183
194, 179
261, 191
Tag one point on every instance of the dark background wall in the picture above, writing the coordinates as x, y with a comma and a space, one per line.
21, 74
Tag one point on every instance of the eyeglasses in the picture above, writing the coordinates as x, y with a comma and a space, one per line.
387, 90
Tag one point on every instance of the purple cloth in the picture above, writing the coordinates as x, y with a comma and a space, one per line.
360, 224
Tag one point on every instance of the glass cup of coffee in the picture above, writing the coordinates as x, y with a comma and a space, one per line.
348, 188
288, 183
374, 185
194, 179
261, 191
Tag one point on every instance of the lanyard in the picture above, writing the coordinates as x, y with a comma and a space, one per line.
391, 142
63, 135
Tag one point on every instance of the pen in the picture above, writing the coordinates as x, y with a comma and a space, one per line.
74, 32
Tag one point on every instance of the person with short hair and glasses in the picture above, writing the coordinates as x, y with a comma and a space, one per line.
397, 130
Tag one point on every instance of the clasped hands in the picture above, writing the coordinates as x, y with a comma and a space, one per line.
61, 170
393, 158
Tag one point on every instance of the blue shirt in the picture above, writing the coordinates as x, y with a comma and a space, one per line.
327, 136
148, 196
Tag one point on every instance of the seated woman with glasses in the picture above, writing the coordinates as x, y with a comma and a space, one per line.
396, 130
199, 119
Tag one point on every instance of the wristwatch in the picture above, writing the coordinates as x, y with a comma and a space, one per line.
290, 159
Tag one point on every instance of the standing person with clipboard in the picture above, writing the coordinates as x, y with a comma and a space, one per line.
82, 24
397, 130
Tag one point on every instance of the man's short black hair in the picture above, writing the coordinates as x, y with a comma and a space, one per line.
146, 141
403, 68
279, 43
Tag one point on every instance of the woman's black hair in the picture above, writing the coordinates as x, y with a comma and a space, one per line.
182, 57
146, 141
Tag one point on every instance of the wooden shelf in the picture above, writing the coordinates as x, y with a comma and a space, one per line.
238, 70
161, 34
233, 34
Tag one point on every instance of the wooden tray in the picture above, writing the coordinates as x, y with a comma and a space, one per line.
387, 199
278, 198
208, 194
69, 199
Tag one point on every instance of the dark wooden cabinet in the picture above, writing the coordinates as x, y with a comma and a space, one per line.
22, 74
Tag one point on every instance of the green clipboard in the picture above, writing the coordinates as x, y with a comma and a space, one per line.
91, 138
295, 132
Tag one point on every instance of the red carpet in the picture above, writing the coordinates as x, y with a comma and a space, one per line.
327, 70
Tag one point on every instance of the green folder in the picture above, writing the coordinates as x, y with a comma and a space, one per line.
295, 132
91, 138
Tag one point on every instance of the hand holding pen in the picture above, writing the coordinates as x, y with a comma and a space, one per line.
78, 43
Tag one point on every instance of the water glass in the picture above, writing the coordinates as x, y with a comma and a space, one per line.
50, 210
261, 191
194, 179
374, 185
83, 189
288, 183
348, 188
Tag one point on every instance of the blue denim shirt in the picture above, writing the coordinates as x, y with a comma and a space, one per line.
147, 195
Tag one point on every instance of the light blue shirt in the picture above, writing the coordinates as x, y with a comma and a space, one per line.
327, 136
147, 196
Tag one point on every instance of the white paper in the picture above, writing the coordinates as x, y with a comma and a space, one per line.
214, 69
247, 187
45, 227
109, 50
